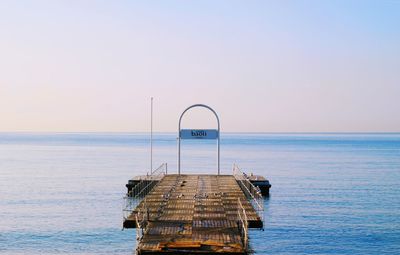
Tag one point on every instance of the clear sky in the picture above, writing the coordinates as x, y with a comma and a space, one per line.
264, 66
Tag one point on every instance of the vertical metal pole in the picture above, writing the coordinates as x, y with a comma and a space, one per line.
218, 149
218, 141
151, 138
179, 150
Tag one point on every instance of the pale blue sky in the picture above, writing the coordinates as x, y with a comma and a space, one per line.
265, 66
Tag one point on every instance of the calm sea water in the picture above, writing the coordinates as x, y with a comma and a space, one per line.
331, 193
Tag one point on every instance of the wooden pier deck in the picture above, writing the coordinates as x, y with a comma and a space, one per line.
190, 214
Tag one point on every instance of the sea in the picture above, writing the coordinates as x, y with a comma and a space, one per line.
332, 193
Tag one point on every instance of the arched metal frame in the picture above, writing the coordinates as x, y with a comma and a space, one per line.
179, 134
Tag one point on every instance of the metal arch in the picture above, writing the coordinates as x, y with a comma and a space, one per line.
179, 134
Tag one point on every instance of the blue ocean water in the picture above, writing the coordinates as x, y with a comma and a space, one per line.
61, 193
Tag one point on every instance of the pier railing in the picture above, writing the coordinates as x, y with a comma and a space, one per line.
242, 223
142, 217
252, 192
140, 190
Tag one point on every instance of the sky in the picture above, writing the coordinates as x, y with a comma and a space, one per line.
264, 66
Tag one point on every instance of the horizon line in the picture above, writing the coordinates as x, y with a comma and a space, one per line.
226, 132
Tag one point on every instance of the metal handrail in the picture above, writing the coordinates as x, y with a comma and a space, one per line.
242, 223
252, 192
141, 220
138, 193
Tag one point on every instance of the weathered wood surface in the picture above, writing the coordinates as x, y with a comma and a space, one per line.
194, 214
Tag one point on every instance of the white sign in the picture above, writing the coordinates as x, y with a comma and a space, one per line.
199, 134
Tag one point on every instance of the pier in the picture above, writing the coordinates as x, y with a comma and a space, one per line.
257, 180
194, 213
